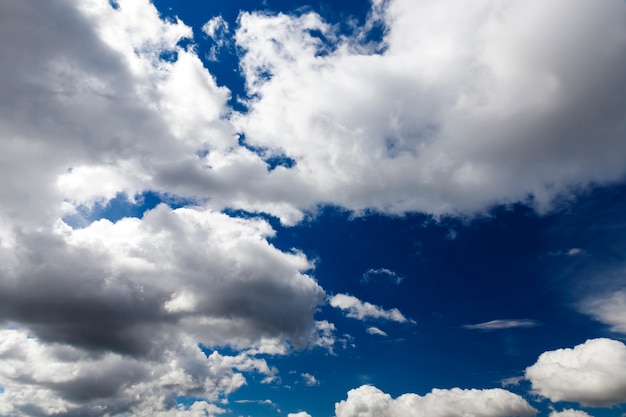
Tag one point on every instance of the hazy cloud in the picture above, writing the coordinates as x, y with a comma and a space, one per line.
502, 324
382, 273
609, 309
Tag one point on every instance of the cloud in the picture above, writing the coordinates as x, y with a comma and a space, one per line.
463, 109
39, 378
383, 273
218, 30
592, 373
568, 412
608, 309
300, 414
502, 324
309, 379
575, 252
376, 331
369, 401
361, 310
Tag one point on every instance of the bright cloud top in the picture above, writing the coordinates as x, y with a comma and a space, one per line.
362, 310
593, 373
369, 401
464, 108
568, 412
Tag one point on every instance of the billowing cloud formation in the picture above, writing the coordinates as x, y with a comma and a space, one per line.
568, 412
362, 310
42, 379
609, 309
376, 331
369, 401
502, 324
464, 108
593, 373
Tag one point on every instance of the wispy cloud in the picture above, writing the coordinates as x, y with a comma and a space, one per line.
363, 310
376, 331
382, 273
502, 324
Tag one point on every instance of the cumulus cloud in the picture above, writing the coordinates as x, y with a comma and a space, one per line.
462, 109
299, 414
502, 324
376, 331
592, 373
609, 309
568, 412
362, 310
369, 401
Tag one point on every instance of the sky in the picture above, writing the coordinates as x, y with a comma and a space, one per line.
364, 208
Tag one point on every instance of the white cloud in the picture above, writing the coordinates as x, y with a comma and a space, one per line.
376, 331
568, 412
593, 373
310, 379
369, 401
502, 324
609, 309
299, 414
464, 109
362, 310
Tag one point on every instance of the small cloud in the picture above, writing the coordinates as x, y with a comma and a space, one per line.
512, 381
218, 31
575, 252
382, 273
376, 331
309, 379
362, 310
502, 324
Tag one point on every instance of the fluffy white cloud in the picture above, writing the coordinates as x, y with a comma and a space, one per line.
568, 412
464, 108
502, 324
592, 373
362, 310
609, 309
369, 401
299, 414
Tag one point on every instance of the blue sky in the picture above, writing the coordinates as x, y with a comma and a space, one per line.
373, 208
